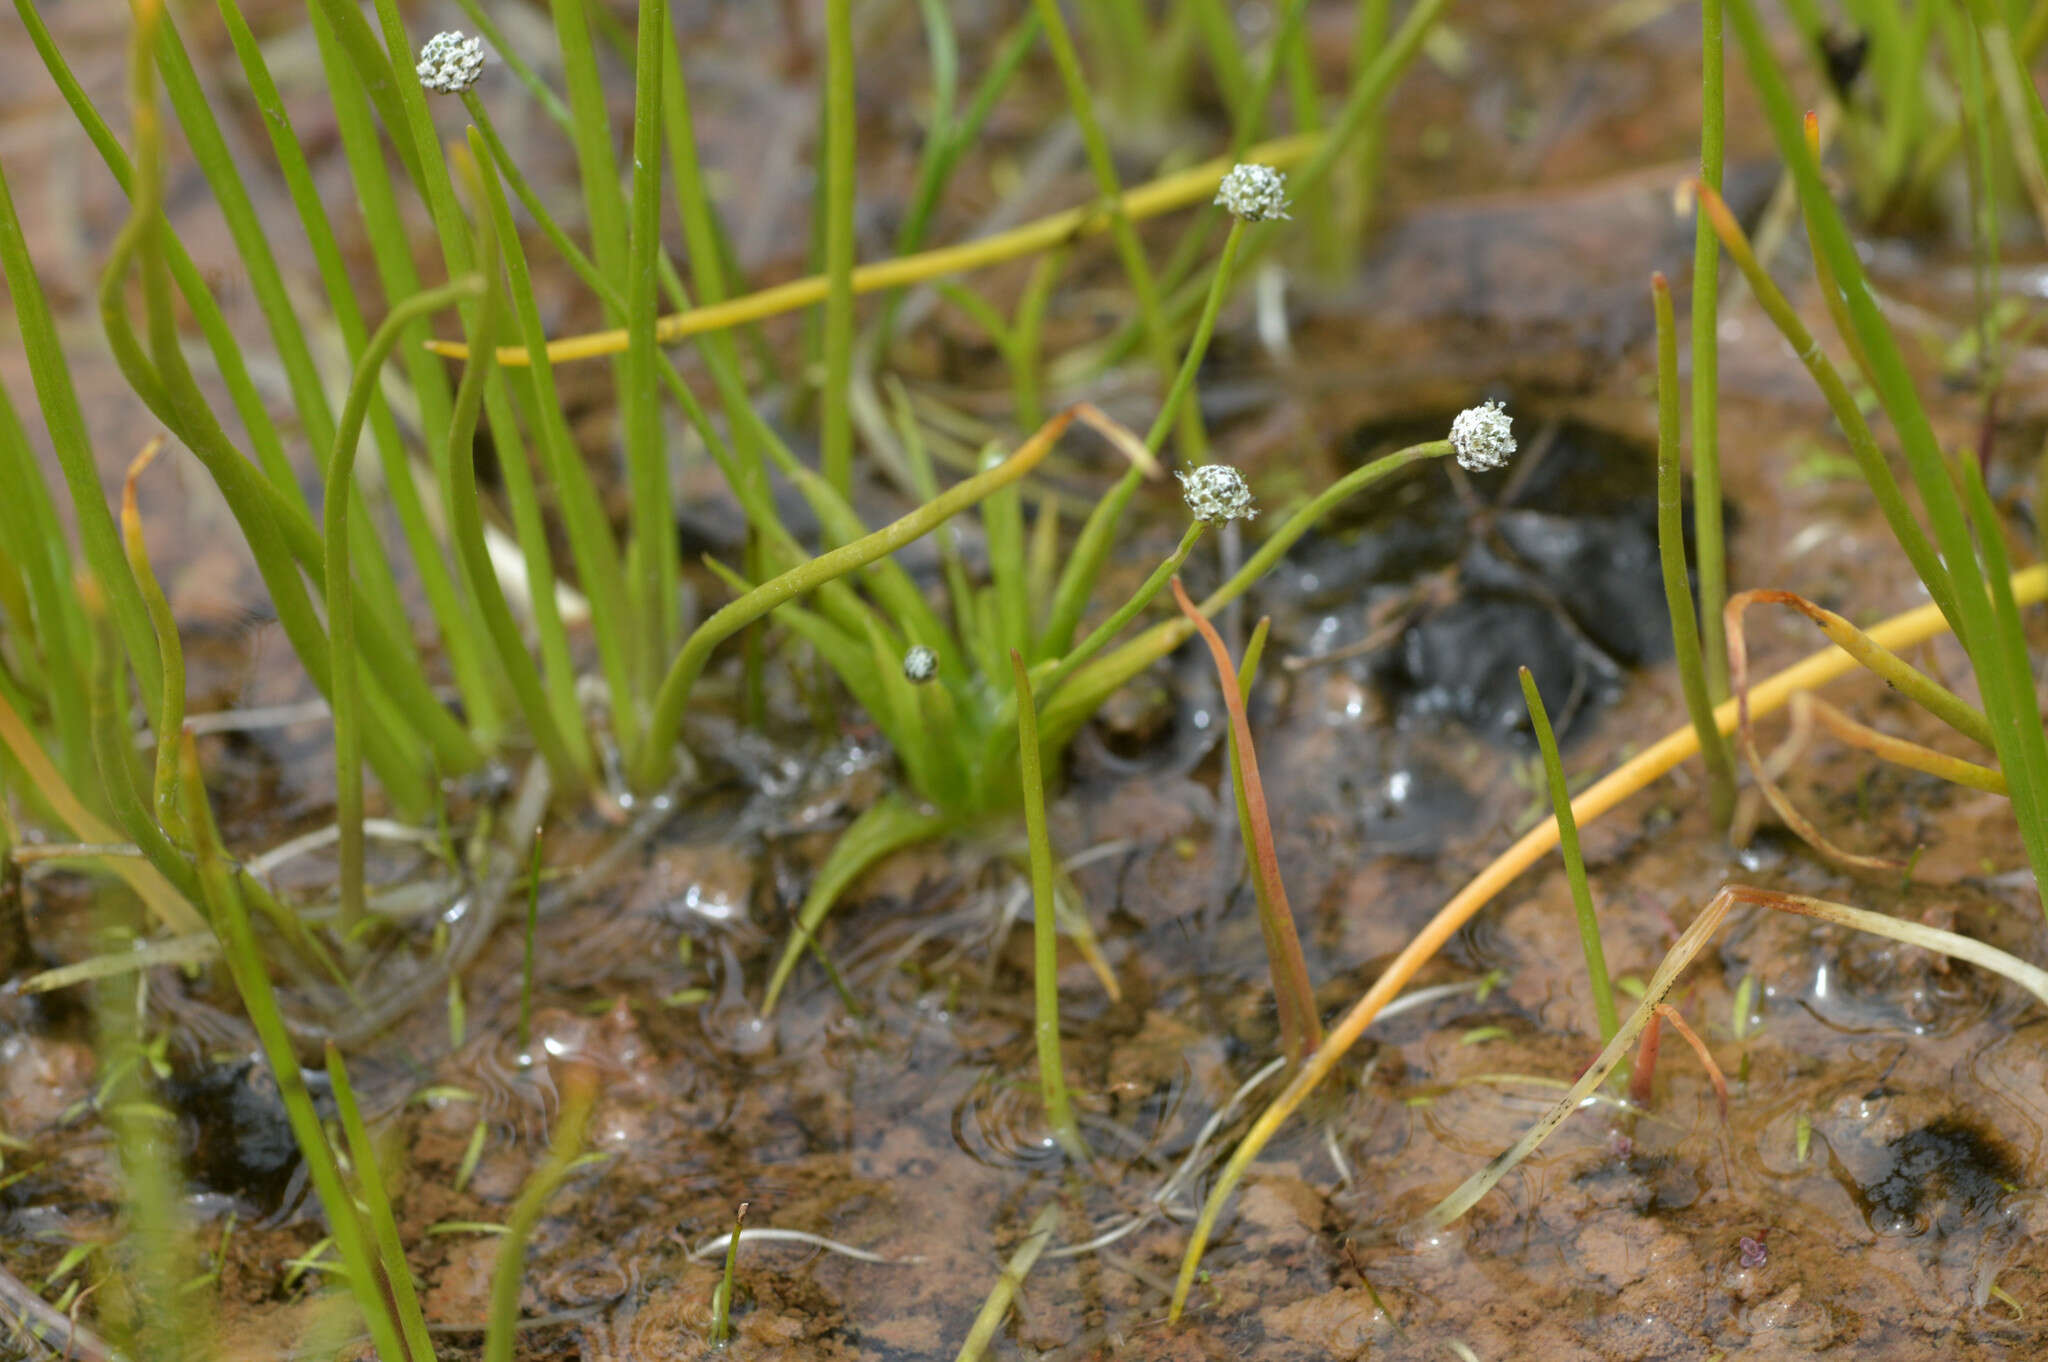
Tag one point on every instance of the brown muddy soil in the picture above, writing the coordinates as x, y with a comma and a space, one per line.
1874, 1191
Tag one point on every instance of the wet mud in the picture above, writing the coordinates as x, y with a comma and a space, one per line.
1875, 1190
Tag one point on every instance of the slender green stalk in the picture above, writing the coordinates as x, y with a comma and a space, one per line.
28, 520
721, 1299
465, 516
836, 440
1027, 332
1685, 636
522, 70
526, 959
1368, 35
1361, 108
603, 201
281, 534
463, 640
416, 126
382, 80
2026, 120
1326, 246
651, 576
245, 963
1009, 1282
1130, 251
1052, 1076
114, 747
753, 442
1301, 1027
403, 1299
1054, 673
510, 409
1830, 291
1897, 673
210, 150
714, 268
579, 1092
657, 754
1002, 523
456, 625
1708, 537
1870, 460
165, 902
1249, 128
160, 1321
162, 379
887, 825
1604, 1014
62, 417
1225, 50
950, 138
345, 693
171, 717
1099, 532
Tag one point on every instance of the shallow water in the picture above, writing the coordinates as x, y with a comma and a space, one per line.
1512, 263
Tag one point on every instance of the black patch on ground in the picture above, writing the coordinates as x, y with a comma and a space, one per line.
1550, 563
238, 1140
1942, 1176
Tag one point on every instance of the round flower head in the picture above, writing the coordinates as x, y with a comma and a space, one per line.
1255, 193
1216, 493
1482, 437
450, 63
920, 664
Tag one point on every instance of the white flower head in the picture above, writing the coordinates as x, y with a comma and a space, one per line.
1216, 492
1255, 193
450, 62
920, 664
1483, 437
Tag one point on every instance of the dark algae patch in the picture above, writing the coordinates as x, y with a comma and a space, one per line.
1938, 1179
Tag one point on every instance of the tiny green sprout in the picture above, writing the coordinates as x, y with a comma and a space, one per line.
450, 62
1745, 1001
1802, 1137
1483, 437
472, 1154
721, 1308
1216, 493
1255, 193
920, 664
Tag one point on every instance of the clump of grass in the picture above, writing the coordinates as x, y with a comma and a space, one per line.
1970, 577
84, 653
